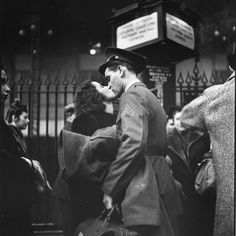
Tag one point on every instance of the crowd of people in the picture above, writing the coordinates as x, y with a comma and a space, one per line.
136, 160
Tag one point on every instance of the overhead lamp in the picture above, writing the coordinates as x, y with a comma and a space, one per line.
33, 27
50, 32
95, 48
216, 33
92, 51
21, 32
98, 45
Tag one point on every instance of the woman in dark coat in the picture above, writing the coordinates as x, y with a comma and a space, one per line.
16, 175
17, 118
62, 205
92, 112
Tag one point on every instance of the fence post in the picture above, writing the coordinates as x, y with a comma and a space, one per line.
204, 80
196, 78
65, 82
180, 81
30, 127
74, 83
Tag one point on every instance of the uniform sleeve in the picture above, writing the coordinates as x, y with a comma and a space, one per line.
192, 115
134, 129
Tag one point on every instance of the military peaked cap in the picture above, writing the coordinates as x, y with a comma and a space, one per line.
117, 54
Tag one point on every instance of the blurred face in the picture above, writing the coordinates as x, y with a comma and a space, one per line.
5, 90
22, 121
177, 123
104, 90
70, 117
115, 81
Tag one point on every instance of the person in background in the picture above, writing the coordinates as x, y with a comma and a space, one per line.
139, 178
70, 115
5, 90
93, 111
18, 120
170, 121
185, 150
62, 201
169, 126
214, 112
16, 180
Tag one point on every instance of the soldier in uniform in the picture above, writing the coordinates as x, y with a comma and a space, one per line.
139, 178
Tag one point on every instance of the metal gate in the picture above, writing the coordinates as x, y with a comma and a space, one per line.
194, 83
46, 97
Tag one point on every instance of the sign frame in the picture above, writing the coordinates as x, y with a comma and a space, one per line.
160, 37
180, 31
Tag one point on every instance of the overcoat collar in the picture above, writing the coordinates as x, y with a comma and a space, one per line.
21, 145
137, 83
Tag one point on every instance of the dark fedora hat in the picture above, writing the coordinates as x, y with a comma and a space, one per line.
116, 54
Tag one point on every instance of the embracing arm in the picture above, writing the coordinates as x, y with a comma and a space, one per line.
192, 114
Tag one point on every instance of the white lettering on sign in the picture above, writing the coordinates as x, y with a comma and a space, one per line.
137, 31
179, 31
159, 73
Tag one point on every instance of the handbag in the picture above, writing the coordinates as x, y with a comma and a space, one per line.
205, 181
108, 223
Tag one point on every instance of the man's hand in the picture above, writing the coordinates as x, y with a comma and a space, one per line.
107, 201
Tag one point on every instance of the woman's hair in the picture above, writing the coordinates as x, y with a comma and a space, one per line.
88, 99
16, 109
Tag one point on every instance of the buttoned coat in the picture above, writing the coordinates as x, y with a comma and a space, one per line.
140, 171
214, 111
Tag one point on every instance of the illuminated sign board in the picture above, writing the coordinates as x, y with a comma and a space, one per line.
138, 31
179, 31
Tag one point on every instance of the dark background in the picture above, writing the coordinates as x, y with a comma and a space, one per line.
74, 22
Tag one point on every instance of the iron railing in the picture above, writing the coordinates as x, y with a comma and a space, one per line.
193, 84
46, 97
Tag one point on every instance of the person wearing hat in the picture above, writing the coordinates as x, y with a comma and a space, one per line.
214, 111
139, 178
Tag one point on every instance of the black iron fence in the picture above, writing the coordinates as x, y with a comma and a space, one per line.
193, 84
46, 97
